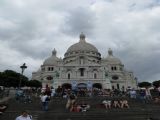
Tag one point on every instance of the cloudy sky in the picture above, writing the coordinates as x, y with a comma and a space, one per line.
31, 29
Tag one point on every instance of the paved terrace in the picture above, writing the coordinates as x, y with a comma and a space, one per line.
137, 111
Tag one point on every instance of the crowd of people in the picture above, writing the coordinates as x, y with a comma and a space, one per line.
116, 103
112, 98
23, 95
119, 97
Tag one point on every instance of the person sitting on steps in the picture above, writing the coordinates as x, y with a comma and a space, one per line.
124, 103
2, 108
107, 103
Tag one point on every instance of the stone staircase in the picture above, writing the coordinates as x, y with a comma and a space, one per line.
137, 111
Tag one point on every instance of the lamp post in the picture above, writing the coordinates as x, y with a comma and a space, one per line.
23, 67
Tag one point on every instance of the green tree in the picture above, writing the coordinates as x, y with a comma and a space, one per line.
34, 83
144, 84
156, 83
10, 78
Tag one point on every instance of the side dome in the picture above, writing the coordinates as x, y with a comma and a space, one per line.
112, 59
52, 60
82, 45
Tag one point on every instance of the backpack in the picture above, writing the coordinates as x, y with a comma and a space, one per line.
30, 117
47, 99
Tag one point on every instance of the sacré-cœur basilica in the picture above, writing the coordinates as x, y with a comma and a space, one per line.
83, 67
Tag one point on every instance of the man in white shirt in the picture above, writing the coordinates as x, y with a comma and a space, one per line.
24, 116
44, 102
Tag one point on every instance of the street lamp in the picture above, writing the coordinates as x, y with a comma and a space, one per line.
23, 67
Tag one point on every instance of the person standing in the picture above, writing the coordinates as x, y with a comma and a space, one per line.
142, 95
44, 100
52, 92
148, 95
158, 91
24, 116
71, 100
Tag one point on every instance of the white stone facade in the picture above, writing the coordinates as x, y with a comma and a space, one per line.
82, 66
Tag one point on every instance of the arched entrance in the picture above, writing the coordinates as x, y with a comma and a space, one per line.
82, 85
66, 86
97, 85
81, 89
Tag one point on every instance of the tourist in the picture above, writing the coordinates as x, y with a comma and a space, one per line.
148, 95
84, 106
157, 100
75, 108
124, 103
19, 94
45, 99
142, 95
24, 116
59, 91
107, 103
133, 94
2, 109
158, 90
52, 92
71, 100
48, 90
116, 103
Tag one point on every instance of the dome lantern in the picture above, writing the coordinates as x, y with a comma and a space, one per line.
54, 52
82, 37
110, 52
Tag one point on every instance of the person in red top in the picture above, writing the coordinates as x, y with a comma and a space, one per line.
2, 108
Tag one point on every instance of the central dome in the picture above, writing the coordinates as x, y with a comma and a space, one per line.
82, 45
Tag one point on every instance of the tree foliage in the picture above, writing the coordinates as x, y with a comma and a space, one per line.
156, 83
144, 84
10, 78
34, 83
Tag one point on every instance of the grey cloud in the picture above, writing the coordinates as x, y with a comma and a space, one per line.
130, 28
79, 20
144, 65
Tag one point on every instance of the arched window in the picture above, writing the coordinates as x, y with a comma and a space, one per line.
52, 68
82, 71
112, 87
112, 68
69, 75
115, 68
120, 68
118, 86
95, 76
49, 68
81, 61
